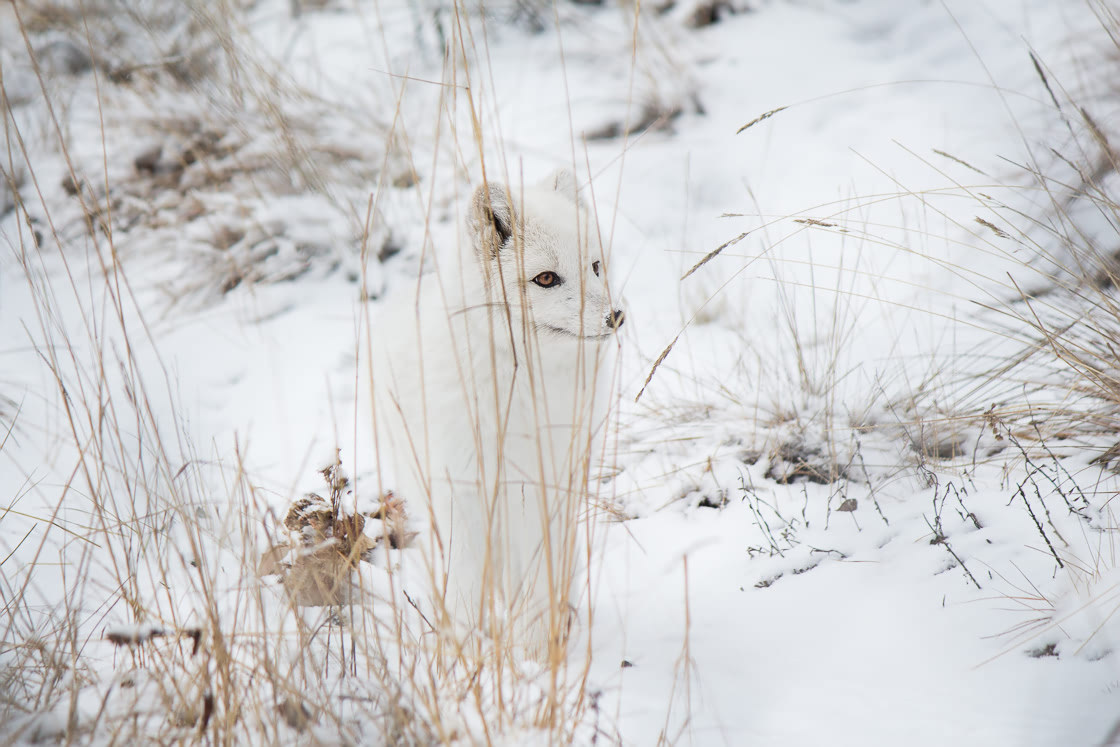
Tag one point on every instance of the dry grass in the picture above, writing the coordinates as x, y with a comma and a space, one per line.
192, 109
142, 609
318, 638
1033, 390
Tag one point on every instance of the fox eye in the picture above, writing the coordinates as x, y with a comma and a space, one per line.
595, 267
547, 279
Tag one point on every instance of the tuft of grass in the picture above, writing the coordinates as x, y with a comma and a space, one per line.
158, 597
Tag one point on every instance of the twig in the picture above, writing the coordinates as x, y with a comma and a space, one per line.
941, 539
1038, 524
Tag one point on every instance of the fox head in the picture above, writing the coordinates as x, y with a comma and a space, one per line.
541, 259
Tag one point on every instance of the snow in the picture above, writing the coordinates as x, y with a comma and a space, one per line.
747, 608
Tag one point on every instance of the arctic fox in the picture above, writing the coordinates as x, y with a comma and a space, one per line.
486, 392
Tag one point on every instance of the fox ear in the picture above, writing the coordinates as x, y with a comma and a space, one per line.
491, 218
564, 182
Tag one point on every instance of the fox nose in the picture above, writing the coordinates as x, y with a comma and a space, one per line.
615, 319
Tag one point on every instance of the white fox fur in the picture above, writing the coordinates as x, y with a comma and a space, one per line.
486, 392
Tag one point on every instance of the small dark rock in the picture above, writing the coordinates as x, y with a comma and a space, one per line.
1050, 649
708, 12
148, 159
750, 456
717, 501
405, 179
62, 56
8, 189
388, 250
70, 185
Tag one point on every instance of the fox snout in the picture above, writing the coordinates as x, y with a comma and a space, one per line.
615, 319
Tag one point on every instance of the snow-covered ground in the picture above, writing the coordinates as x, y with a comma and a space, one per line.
812, 535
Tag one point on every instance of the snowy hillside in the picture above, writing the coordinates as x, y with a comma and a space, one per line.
857, 485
